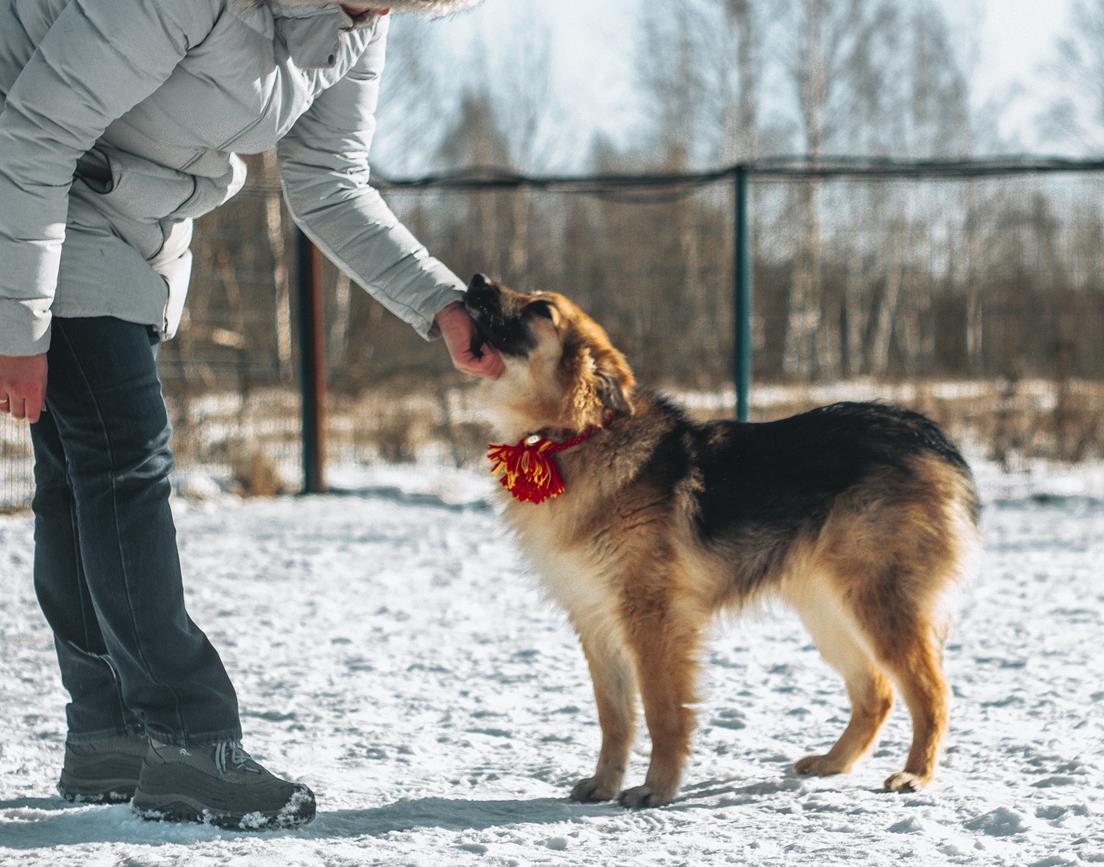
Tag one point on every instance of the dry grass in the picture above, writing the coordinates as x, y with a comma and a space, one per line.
1006, 421
254, 472
253, 441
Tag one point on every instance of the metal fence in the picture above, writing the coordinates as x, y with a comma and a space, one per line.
970, 290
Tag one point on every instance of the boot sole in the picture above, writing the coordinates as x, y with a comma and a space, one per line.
181, 808
78, 791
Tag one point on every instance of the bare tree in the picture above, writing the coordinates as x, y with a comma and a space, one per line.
276, 231
1078, 70
745, 17
875, 77
417, 92
670, 69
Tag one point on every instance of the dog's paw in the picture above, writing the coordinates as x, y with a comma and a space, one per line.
903, 781
820, 766
593, 789
644, 796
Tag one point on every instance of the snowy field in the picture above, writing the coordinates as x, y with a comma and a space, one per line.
390, 649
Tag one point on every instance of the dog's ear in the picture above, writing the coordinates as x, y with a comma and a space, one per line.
546, 309
598, 386
613, 388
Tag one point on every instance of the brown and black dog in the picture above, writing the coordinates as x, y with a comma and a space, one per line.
858, 515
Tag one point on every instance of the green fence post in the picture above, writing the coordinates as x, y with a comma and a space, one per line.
741, 279
312, 366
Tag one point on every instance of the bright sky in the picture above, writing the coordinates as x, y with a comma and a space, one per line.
1017, 38
591, 53
592, 56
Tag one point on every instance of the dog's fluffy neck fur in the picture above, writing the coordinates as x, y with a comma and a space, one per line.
512, 425
650, 412
562, 434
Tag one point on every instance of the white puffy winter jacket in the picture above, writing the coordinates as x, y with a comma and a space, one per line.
119, 124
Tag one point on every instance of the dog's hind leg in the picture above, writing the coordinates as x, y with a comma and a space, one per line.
870, 691
892, 552
915, 662
900, 618
666, 648
614, 679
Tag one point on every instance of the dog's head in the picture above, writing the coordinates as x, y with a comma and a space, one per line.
562, 372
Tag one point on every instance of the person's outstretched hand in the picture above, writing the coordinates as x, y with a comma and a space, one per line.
23, 385
459, 333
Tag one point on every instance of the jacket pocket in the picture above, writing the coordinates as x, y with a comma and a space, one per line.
133, 187
143, 200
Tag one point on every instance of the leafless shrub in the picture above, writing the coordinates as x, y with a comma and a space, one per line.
253, 471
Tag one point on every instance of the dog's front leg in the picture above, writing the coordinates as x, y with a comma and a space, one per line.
665, 648
611, 671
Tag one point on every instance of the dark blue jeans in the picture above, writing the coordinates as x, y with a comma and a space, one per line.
106, 567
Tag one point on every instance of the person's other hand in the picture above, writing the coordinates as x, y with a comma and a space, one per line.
23, 385
460, 335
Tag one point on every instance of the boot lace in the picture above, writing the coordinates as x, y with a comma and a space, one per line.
230, 754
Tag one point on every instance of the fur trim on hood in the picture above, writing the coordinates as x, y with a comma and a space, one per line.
436, 8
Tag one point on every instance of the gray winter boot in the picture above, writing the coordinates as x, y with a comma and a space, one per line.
220, 784
102, 772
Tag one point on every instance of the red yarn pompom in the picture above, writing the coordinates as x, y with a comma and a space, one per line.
527, 469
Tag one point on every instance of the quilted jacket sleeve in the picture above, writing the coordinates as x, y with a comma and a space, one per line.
98, 59
324, 168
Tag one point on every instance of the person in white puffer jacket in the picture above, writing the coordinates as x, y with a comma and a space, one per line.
120, 121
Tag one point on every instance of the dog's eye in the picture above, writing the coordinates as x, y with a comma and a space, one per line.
539, 308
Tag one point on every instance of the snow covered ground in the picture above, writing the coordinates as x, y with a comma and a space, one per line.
390, 648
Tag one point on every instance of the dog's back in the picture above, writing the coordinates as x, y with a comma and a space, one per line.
860, 469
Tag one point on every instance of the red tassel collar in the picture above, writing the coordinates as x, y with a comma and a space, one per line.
528, 469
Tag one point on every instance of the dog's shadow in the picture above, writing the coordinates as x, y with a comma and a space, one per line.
50, 822
451, 814
709, 794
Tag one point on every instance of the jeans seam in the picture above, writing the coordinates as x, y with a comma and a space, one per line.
117, 682
78, 567
118, 539
198, 739
82, 594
